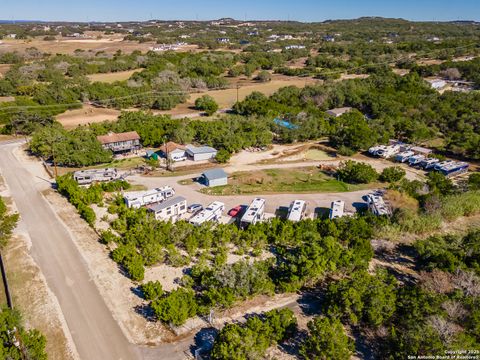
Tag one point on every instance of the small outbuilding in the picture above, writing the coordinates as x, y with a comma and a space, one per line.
199, 153
215, 177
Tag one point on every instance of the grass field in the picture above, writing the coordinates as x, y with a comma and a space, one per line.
301, 180
113, 76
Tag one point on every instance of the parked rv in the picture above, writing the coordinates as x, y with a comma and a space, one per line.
137, 199
404, 156
255, 213
337, 209
212, 212
297, 210
376, 204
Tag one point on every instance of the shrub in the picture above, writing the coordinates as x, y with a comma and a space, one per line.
223, 156
357, 173
206, 103
176, 307
152, 290
392, 174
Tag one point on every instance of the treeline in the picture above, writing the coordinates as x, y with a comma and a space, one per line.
404, 108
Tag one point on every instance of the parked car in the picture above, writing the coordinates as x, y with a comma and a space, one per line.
194, 208
235, 211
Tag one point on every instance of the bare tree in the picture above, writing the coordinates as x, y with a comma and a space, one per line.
436, 281
454, 310
467, 281
451, 74
445, 329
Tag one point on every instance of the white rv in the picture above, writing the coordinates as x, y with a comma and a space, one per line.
254, 213
337, 209
297, 210
212, 212
404, 156
86, 177
137, 199
377, 205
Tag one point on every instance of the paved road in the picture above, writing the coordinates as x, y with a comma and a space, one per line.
95, 332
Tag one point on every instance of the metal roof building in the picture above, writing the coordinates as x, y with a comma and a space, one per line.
199, 153
215, 177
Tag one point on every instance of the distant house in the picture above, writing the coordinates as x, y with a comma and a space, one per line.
170, 209
174, 151
223, 40
199, 153
215, 177
437, 84
329, 38
121, 142
339, 111
294, 47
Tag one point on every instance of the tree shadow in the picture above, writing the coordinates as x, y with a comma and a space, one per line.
146, 311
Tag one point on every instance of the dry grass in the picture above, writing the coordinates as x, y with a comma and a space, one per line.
113, 76
86, 115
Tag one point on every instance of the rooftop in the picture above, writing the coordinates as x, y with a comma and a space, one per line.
214, 174
112, 138
339, 111
171, 146
167, 204
200, 149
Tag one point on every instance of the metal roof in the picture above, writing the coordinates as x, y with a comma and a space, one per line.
215, 174
200, 149
167, 204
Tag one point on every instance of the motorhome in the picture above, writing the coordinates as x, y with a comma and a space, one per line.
377, 205
428, 163
415, 160
454, 169
212, 212
388, 151
137, 199
86, 177
404, 156
297, 210
255, 213
337, 209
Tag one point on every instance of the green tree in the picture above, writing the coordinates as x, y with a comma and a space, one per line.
8, 222
152, 290
206, 103
392, 174
176, 307
356, 172
223, 156
327, 340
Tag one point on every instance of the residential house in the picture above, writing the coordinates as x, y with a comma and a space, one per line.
214, 177
339, 111
169, 210
199, 153
174, 151
121, 142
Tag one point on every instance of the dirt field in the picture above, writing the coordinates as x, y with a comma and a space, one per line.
68, 46
86, 115
112, 77
4, 68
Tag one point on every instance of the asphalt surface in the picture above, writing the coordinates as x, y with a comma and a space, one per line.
95, 332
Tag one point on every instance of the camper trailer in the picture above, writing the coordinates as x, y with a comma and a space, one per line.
297, 210
337, 209
137, 199
254, 213
86, 177
212, 212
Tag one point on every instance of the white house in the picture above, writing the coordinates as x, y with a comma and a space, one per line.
339, 111
199, 153
174, 151
169, 210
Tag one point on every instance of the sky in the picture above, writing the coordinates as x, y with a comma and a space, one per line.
300, 10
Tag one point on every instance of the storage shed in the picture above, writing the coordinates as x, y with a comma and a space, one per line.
201, 152
215, 177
